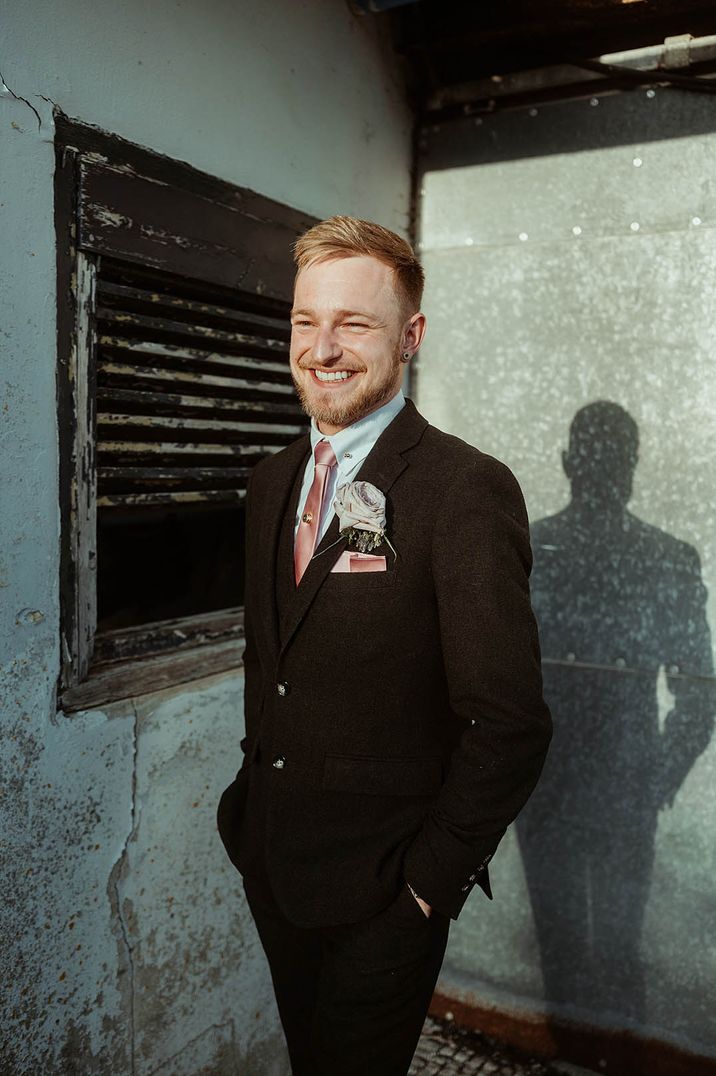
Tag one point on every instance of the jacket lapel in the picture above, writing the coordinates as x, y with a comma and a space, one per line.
278, 499
383, 464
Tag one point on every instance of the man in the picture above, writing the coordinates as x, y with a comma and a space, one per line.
394, 716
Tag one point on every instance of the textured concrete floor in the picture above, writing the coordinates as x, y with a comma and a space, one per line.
447, 1050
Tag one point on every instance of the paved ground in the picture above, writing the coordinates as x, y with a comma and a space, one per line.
446, 1050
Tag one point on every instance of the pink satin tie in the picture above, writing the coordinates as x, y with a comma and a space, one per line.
307, 534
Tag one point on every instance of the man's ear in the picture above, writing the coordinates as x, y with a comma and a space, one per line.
413, 333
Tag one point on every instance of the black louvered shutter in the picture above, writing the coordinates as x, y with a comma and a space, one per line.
191, 392
192, 389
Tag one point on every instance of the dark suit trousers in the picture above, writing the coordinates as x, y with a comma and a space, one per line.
352, 998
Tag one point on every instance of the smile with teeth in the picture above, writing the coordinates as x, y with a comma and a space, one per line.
337, 375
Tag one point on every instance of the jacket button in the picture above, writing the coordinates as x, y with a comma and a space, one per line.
279, 762
282, 688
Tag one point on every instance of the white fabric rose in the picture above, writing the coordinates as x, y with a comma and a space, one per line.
360, 505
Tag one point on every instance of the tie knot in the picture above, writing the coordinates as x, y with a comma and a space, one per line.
324, 454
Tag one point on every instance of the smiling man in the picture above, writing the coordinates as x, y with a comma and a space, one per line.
395, 724
346, 360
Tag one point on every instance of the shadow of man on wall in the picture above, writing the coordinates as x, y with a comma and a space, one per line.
617, 600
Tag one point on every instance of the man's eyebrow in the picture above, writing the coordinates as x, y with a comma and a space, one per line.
338, 313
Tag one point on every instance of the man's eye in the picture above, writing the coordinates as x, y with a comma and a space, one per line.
301, 324
356, 325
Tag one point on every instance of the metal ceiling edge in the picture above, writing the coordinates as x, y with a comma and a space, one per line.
680, 52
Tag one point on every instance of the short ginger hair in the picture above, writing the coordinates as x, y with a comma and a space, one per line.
344, 237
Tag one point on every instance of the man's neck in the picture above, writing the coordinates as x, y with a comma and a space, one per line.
328, 430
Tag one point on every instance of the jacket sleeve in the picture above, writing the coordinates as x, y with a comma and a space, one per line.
481, 561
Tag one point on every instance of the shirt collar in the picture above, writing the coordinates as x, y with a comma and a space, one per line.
358, 438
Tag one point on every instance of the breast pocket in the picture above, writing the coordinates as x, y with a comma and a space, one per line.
356, 563
344, 578
357, 582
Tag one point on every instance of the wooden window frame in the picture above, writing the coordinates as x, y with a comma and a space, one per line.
117, 199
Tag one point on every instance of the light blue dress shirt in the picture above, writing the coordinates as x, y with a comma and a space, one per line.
351, 446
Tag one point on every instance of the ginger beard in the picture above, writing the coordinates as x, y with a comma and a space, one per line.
321, 405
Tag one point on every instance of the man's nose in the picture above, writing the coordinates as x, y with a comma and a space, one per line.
326, 345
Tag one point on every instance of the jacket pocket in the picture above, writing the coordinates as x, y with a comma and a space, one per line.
230, 811
383, 776
352, 582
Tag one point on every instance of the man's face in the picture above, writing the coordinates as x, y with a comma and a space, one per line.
347, 331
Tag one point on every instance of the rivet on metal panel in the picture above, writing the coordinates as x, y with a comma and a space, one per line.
576, 230
620, 663
594, 101
651, 93
533, 111
696, 221
635, 225
523, 237
469, 241
637, 162
571, 656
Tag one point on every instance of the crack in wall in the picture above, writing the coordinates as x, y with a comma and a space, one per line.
4, 87
162, 1067
115, 877
49, 101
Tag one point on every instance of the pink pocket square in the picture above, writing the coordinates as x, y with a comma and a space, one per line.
349, 561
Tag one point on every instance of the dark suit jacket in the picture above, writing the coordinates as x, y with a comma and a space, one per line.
395, 723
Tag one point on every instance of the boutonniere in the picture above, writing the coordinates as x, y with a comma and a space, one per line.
360, 507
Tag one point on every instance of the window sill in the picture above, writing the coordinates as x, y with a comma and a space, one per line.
154, 657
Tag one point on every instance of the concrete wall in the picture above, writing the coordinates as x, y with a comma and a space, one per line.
570, 259
130, 944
